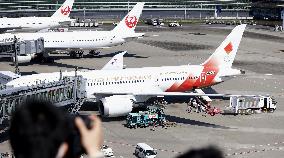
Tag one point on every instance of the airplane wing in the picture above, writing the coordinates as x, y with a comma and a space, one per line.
68, 21
43, 30
10, 29
134, 36
116, 62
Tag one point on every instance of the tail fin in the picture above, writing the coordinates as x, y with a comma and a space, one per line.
64, 10
116, 62
224, 55
129, 22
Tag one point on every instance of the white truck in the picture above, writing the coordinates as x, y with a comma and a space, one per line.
107, 151
250, 105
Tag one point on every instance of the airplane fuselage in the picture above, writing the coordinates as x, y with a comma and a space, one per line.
85, 40
31, 23
159, 79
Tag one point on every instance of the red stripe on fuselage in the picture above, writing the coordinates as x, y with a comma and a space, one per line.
173, 88
209, 79
189, 84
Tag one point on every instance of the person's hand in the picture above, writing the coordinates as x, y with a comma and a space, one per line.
91, 139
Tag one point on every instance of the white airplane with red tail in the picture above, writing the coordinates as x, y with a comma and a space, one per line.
60, 17
119, 90
79, 41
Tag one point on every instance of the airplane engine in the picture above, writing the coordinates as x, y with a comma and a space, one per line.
117, 105
23, 59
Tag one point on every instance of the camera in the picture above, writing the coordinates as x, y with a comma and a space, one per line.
75, 148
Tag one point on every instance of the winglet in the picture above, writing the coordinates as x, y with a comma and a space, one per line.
128, 24
64, 10
116, 62
224, 55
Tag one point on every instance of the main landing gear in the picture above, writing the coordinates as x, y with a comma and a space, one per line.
94, 53
77, 54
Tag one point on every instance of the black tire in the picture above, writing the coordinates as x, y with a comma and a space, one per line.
271, 110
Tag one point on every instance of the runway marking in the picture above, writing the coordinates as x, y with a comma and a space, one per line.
256, 151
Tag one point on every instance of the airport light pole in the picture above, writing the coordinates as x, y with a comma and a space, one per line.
84, 13
282, 17
127, 6
185, 11
215, 13
237, 10
200, 16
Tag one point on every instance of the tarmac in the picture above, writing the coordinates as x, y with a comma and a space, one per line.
261, 55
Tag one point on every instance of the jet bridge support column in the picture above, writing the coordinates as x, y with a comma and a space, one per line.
67, 92
17, 70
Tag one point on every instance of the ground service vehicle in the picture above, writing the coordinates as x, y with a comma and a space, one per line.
160, 22
143, 150
107, 151
153, 116
174, 24
152, 21
249, 105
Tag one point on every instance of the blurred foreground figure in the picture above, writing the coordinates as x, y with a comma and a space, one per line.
207, 152
40, 130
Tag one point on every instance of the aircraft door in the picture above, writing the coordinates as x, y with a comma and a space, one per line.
157, 81
111, 39
203, 77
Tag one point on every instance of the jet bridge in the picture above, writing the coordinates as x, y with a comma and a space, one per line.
67, 92
20, 51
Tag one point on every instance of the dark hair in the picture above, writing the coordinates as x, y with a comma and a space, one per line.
206, 152
37, 130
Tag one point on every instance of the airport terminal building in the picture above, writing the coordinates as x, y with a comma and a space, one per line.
176, 9
43, 5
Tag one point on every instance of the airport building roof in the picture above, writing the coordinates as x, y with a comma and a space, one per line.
80, 5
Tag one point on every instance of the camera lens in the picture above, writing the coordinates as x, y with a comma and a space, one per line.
74, 139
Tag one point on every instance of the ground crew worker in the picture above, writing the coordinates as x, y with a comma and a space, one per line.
189, 105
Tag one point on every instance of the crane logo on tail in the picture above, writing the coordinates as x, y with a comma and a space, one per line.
66, 10
131, 21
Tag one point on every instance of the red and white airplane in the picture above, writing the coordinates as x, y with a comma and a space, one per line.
60, 17
120, 90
